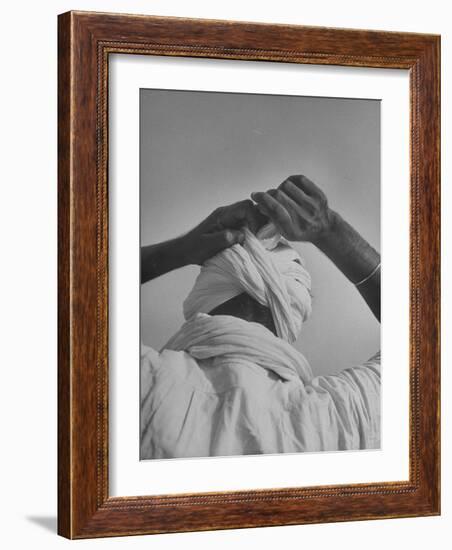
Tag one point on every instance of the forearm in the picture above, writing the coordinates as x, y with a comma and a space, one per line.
354, 256
218, 231
158, 259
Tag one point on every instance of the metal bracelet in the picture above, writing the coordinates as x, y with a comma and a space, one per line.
371, 274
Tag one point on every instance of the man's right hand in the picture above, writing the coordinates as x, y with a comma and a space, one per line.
220, 230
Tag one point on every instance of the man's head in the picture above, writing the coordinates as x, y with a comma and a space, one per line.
268, 271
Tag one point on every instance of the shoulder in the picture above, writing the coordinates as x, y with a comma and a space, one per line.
373, 363
148, 354
361, 378
152, 361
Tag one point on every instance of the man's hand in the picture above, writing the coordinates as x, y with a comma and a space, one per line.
298, 208
221, 230
300, 211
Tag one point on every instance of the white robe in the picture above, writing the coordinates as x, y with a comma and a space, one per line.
224, 386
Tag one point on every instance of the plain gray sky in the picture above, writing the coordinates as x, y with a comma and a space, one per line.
201, 150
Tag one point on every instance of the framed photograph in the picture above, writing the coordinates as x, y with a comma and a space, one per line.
248, 275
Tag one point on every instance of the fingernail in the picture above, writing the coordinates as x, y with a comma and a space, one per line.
253, 195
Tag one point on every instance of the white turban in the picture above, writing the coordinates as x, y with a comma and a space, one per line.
267, 268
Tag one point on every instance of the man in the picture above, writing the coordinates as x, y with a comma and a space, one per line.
230, 382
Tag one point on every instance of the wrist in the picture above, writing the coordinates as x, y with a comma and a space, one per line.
162, 258
180, 249
332, 227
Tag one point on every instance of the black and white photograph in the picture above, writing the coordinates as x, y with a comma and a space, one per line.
260, 274
224, 235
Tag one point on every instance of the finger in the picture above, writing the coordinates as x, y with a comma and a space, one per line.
215, 242
276, 211
258, 219
297, 195
239, 214
298, 214
263, 211
290, 205
250, 216
306, 185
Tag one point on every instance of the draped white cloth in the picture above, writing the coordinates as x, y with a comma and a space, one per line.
267, 269
224, 386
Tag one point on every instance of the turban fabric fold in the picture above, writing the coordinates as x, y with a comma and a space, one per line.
265, 267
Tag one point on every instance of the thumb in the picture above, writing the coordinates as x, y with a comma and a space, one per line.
220, 240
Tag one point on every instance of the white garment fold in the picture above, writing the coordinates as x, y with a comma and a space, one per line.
224, 386
230, 339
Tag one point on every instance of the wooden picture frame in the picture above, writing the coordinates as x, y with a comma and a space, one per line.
85, 41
